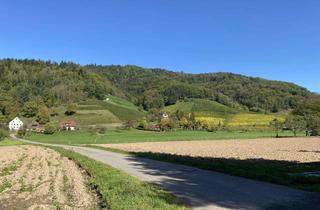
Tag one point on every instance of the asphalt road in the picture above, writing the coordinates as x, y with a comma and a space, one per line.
203, 189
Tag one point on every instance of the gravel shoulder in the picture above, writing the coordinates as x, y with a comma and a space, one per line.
288, 149
33, 177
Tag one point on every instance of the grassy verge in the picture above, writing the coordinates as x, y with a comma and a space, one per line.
121, 191
279, 172
10, 142
128, 136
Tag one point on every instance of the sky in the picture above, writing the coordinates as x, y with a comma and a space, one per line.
272, 39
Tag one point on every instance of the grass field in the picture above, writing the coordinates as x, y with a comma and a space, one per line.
123, 136
10, 142
202, 108
121, 191
122, 109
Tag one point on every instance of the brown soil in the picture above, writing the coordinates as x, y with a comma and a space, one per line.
288, 149
40, 178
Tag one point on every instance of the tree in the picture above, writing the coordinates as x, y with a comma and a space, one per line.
71, 109
295, 123
30, 109
166, 124
54, 111
142, 124
50, 128
277, 125
184, 122
314, 126
43, 115
152, 99
3, 134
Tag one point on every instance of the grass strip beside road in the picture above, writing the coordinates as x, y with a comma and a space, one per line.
278, 172
10, 142
122, 191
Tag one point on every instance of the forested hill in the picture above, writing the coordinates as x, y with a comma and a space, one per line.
158, 87
53, 83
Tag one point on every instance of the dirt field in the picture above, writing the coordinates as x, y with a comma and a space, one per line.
289, 149
38, 178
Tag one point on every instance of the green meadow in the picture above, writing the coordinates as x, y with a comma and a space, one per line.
133, 135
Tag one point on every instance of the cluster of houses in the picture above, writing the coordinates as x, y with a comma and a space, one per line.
17, 124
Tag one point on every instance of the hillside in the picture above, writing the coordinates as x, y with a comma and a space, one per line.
157, 87
213, 112
58, 84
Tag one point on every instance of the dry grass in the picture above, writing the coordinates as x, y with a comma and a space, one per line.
39, 178
288, 149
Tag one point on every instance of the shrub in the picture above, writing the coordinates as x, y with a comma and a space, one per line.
54, 111
3, 135
22, 132
43, 115
50, 128
315, 132
102, 130
71, 109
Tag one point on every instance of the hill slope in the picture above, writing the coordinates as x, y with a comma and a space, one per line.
157, 87
212, 112
56, 84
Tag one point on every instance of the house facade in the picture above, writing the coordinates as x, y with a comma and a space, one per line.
68, 125
15, 124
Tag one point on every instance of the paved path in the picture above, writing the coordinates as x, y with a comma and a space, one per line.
203, 189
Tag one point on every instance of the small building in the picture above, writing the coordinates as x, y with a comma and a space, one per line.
163, 114
69, 125
16, 124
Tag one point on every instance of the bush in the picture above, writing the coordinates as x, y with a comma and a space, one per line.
315, 132
22, 132
3, 135
49, 129
71, 109
102, 130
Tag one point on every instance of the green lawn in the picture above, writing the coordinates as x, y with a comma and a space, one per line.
122, 191
126, 136
202, 107
10, 142
120, 108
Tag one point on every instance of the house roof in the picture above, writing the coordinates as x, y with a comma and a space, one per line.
16, 119
68, 122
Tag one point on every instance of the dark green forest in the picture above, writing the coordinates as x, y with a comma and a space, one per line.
154, 88
27, 82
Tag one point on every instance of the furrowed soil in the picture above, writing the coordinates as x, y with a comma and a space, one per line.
34, 177
287, 149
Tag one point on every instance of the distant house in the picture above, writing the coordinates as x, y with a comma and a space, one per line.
68, 125
163, 114
15, 124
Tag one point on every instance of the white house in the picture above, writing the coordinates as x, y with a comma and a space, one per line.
15, 124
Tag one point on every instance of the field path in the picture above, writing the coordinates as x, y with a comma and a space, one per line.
203, 189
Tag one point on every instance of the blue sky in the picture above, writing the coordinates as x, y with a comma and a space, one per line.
273, 39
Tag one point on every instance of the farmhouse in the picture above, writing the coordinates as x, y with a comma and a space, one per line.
68, 125
15, 124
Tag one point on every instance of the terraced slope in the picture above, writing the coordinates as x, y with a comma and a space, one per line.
212, 112
120, 108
